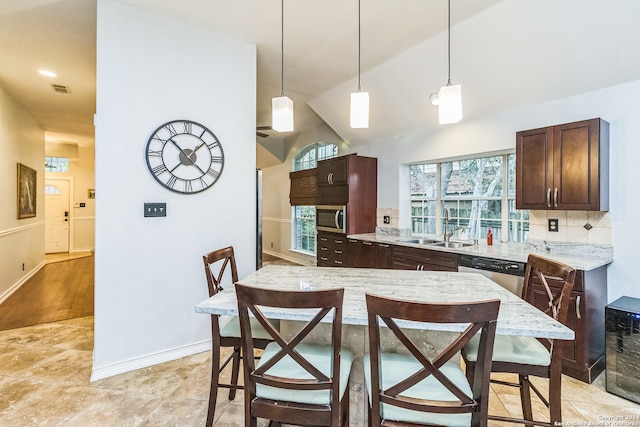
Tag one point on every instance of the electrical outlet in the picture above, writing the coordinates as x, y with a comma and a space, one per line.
386, 219
155, 209
23, 266
553, 225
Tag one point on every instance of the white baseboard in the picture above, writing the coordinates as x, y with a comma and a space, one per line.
289, 258
21, 282
148, 360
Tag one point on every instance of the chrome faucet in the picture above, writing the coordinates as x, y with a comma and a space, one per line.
447, 217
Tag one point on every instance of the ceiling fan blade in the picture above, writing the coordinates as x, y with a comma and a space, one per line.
263, 128
262, 135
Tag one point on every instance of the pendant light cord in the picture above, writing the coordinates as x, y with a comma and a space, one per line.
282, 46
359, 87
448, 42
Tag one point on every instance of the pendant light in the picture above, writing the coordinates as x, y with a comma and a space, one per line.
359, 116
449, 97
282, 106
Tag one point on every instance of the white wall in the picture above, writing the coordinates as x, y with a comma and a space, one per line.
619, 105
148, 271
21, 240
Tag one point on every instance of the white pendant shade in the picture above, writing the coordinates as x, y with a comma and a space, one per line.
282, 114
360, 110
450, 104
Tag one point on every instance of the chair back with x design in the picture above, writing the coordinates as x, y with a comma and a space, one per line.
214, 279
413, 389
295, 382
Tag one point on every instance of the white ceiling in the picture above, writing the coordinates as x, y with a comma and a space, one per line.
505, 54
320, 48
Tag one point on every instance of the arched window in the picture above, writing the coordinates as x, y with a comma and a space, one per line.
309, 156
304, 217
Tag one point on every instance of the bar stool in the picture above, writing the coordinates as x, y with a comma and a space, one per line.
227, 332
295, 382
413, 389
547, 285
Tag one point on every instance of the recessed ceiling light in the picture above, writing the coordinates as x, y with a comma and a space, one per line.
47, 73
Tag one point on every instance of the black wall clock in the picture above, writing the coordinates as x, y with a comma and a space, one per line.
184, 156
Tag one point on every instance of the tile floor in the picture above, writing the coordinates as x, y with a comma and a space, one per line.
45, 371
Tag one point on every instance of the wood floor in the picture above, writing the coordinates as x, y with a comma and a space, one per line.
59, 291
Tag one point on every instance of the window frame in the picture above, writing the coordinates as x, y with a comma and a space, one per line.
434, 224
319, 150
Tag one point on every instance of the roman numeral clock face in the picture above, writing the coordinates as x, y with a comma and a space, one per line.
184, 156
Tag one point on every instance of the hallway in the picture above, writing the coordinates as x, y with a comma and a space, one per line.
60, 290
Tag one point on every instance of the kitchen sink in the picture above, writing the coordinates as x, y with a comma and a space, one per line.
451, 244
421, 241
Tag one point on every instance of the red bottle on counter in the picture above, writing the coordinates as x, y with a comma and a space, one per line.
489, 237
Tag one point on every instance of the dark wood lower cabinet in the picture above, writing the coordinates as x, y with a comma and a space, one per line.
332, 250
583, 358
365, 254
409, 258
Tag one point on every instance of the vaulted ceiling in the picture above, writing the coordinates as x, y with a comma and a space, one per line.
503, 53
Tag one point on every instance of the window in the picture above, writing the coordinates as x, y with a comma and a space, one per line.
304, 217
56, 164
474, 192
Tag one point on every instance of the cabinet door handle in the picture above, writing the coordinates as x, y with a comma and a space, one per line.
367, 243
322, 248
549, 197
337, 251
338, 262
323, 258
382, 245
338, 241
417, 267
555, 197
330, 178
324, 239
578, 315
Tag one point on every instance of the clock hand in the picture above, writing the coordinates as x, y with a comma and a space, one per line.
182, 151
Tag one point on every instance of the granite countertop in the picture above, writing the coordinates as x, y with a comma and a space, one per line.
580, 256
516, 316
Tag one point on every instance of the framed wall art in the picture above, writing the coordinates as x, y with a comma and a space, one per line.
27, 188
91, 193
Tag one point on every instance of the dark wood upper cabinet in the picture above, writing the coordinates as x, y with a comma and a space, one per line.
304, 189
351, 181
563, 167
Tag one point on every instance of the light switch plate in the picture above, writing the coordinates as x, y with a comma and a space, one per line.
553, 224
155, 209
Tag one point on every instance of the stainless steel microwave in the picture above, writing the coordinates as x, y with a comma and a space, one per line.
331, 218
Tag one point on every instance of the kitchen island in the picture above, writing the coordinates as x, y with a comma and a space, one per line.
516, 316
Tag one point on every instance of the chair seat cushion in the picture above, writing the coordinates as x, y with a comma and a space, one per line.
514, 349
230, 327
319, 356
394, 367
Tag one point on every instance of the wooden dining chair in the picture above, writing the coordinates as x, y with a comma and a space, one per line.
411, 389
547, 285
227, 332
296, 382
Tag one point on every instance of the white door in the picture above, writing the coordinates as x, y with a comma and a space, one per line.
56, 210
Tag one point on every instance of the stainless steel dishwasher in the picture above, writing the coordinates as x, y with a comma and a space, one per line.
508, 274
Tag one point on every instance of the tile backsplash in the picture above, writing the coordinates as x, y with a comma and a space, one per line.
571, 225
591, 227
